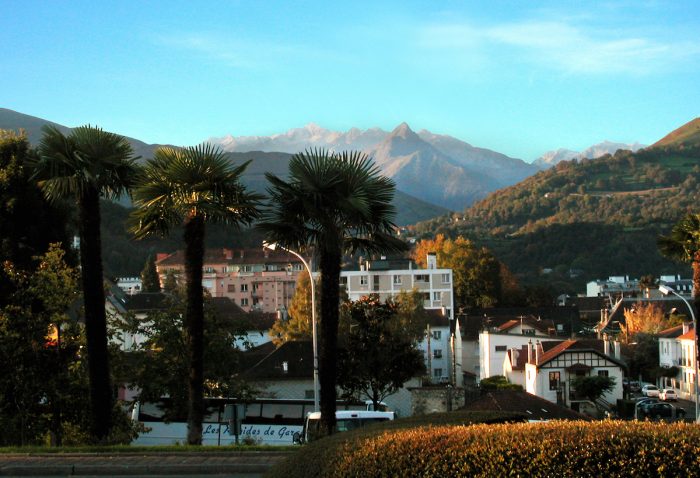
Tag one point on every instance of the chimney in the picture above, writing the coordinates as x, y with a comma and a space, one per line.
241, 253
529, 351
431, 260
538, 346
606, 345
228, 254
686, 328
616, 348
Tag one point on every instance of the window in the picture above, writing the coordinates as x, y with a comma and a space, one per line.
437, 296
244, 287
437, 334
446, 278
554, 380
363, 280
298, 267
397, 280
208, 270
437, 353
602, 373
437, 372
255, 287
344, 281
244, 302
285, 367
528, 331
247, 268
232, 288
422, 278
501, 348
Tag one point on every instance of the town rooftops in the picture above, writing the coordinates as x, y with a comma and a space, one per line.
532, 406
571, 345
674, 332
290, 361
231, 256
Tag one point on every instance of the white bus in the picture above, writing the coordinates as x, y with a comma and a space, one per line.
265, 421
345, 420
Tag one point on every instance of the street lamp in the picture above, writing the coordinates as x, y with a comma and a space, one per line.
272, 246
665, 290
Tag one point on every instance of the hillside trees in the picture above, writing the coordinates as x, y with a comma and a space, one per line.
86, 165
191, 187
683, 245
150, 282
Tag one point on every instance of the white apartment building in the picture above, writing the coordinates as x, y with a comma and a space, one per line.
495, 343
676, 346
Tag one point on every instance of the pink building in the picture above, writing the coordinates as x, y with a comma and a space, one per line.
255, 279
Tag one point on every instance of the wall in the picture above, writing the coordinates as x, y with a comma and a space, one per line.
426, 400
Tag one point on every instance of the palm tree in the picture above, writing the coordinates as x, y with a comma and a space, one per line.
333, 203
683, 244
86, 165
190, 187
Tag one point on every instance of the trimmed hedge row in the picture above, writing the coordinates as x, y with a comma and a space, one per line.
317, 458
567, 449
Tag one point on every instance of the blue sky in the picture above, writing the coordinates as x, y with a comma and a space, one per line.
517, 77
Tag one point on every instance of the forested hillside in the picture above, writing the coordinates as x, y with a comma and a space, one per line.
588, 218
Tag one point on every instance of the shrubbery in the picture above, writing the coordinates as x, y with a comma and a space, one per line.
608, 448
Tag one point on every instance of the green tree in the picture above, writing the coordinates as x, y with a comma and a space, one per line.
27, 221
86, 165
333, 202
44, 381
380, 353
150, 282
593, 387
297, 325
683, 245
170, 284
192, 187
159, 365
498, 382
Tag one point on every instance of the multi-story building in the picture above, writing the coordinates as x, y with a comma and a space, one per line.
255, 279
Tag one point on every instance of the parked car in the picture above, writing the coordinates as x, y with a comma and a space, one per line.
668, 395
641, 404
650, 391
663, 411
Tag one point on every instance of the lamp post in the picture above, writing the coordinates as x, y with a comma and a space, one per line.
272, 246
665, 290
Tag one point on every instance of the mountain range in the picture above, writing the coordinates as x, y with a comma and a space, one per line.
436, 168
551, 158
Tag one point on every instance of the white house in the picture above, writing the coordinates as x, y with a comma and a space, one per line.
676, 346
547, 369
494, 343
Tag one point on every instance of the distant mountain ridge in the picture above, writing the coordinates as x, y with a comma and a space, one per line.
551, 158
409, 209
435, 168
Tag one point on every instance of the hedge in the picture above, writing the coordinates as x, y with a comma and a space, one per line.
562, 449
316, 458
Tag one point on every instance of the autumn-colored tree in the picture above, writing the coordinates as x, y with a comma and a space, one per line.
476, 271
297, 325
647, 318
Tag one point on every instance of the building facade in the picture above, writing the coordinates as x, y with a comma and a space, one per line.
255, 279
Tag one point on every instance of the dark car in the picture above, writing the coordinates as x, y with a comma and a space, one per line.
662, 411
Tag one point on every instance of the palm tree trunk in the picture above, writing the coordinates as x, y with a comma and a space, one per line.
328, 347
194, 324
95, 318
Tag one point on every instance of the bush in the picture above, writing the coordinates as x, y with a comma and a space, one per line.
608, 448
